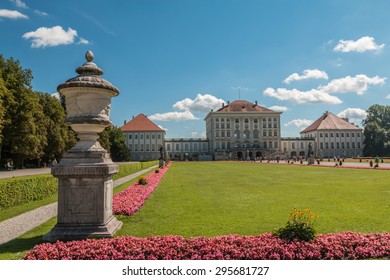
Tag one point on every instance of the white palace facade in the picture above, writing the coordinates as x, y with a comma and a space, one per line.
241, 130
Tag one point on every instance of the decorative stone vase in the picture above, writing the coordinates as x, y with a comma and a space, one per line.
85, 184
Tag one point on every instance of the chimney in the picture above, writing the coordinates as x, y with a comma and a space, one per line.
256, 102
124, 122
228, 102
223, 105
133, 117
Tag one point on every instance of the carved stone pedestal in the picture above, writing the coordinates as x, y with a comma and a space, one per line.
310, 160
84, 198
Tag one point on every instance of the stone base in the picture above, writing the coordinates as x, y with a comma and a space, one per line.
310, 160
161, 163
66, 232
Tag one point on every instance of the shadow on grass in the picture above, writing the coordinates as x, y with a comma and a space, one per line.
17, 247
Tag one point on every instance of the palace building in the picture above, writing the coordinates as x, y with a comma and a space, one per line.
241, 130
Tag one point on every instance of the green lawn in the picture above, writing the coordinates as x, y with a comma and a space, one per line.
217, 198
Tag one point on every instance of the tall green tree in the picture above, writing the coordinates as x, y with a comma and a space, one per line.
377, 131
113, 140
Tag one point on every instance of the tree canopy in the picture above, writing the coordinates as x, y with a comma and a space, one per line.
377, 131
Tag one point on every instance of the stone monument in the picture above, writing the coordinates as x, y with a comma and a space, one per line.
161, 160
85, 173
310, 158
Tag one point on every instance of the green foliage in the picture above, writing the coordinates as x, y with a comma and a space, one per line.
31, 123
113, 140
377, 131
130, 168
16, 191
300, 226
142, 181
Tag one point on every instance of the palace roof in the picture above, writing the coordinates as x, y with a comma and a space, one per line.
243, 106
140, 123
329, 121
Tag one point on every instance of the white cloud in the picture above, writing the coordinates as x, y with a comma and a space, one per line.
278, 108
307, 74
12, 14
198, 134
354, 115
163, 128
363, 44
83, 41
19, 4
40, 13
173, 116
388, 97
49, 37
202, 103
358, 84
299, 123
301, 97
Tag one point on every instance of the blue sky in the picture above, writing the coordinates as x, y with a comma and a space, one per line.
176, 60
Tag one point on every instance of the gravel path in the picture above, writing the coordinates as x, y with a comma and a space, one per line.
14, 227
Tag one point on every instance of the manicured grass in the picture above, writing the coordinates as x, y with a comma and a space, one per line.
218, 198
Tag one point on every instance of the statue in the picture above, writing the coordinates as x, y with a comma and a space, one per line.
161, 160
310, 152
161, 152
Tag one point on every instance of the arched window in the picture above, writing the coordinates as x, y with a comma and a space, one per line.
246, 134
237, 134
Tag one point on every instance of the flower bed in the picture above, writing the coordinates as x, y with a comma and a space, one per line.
346, 245
129, 201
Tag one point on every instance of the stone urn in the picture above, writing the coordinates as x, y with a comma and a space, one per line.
85, 184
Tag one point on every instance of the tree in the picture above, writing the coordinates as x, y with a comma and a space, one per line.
113, 140
377, 131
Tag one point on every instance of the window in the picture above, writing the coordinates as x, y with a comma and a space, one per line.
347, 134
275, 145
136, 147
217, 125
320, 134
228, 134
223, 145
321, 145
142, 136
338, 145
177, 147
264, 119
130, 147
331, 134
326, 145
270, 125
347, 145
353, 134
270, 133
264, 133
159, 136
237, 134
274, 119
136, 136
147, 147
142, 147
223, 134
269, 119
153, 136
228, 125
236, 120
293, 145
246, 120
222, 119
332, 145
186, 146
357, 134
169, 147
270, 145
301, 145
358, 144
222, 125
337, 134
217, 134
264, 125
147, 136
246, 134
255, 120
353, 145
342, 145
342, 134
130, 136
275, 133
255, 134
153, 147
217, 119
326, 134
275, 125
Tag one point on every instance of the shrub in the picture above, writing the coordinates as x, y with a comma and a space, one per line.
142, 181
300, 226
16, 191
156, 171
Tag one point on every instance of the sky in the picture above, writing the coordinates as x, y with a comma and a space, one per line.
175, 60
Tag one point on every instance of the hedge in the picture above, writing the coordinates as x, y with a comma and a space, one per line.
19, 190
